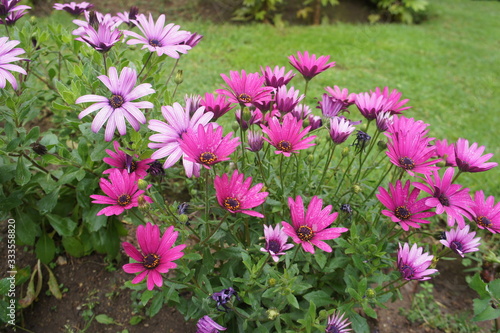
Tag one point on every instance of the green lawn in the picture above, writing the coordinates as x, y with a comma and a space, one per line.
449, 67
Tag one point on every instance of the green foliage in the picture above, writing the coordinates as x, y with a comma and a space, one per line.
405, 11
486, 307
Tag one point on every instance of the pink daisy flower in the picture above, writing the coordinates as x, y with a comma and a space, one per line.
121, 192
13, 14
337, 323
275, 241
446, 152
9, 54
461, 241
158, 37
408, 148
127, 17
206, 146
120, 105
446, 197
255, 141
384, 120
74, 8
486, 213
340, 129
330, 107
219, 105
392, 100
413, 263
101, 40
370, 104
8, 7
276, 77
122, 161
341, 95
470, 159
308, 65
166, 141
287, 100
245, 89
310, 228
403, 206
156, 254
236, 196
208, 325
288, 137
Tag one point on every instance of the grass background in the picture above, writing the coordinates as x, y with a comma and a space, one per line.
449, 66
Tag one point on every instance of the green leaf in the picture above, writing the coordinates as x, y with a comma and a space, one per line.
134, 320
33, 135
73, 246
494, 288
23, 174
146, 296
484, 311
4, 286
104, 319
63, 225
28, 230
156, 304
192, 256
479, 286
292, 300
319, 297
45, 249
48, 202
91, 220
359, 324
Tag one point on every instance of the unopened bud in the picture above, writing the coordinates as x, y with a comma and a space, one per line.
178, 79
272, 313
382, 145
272, 282
345, 151
235, 126
246, 115
183, 218
310, 158
370, 293
357, 189
441, 163
142, 184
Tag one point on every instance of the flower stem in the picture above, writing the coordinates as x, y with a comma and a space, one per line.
145, 64
104, 61
215, 230
172, 71
327, 164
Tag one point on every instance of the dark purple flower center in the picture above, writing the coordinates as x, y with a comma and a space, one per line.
456, 246
443, 199
332, 328
284, 145
151, 261
208, 158
274, 245
407, 271
402, 213
116, 101
154, 43
231, 203
305, 233
406, 163
244, 98
124, 200
483, 221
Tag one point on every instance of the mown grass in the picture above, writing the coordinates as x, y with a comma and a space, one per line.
449, 66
